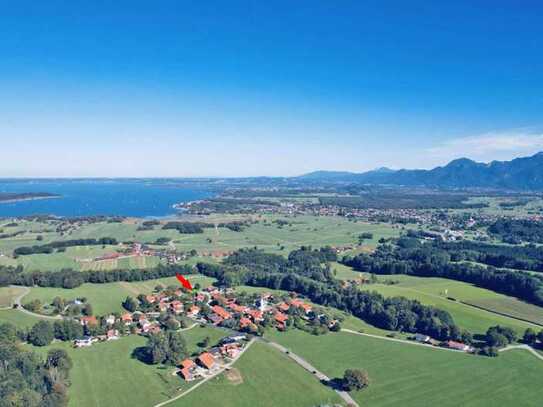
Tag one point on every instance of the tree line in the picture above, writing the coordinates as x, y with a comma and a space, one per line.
63, 244
26, 378
433, 259
299, 274
68, 278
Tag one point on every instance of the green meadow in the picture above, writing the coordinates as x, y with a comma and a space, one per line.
268, 378
301, 230
434, 291
416, 376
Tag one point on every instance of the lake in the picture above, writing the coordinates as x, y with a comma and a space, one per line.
137, 198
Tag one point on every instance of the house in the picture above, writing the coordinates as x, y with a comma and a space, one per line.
186, 374
126, 319
85, 321
244, 322
422, 338
215, 319
458, 346
177, 306
238, 308
150, 299
200, 297
193, 311
110, 319
281, 320
187, 364
232, 350
112, 334
206, 360
83, 342
256, 315
162, 306
283, 307
220, 311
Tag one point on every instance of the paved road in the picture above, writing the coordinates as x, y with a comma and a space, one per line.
228, 365
525, 347
427, 346
309, 367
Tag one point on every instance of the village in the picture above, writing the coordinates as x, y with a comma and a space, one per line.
241, 315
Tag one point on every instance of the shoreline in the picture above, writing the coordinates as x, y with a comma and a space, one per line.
32, 198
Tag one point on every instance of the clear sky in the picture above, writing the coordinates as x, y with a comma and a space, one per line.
231, 88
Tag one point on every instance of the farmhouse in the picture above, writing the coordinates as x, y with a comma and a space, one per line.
112, 334
206, 360
85, 321
458, 346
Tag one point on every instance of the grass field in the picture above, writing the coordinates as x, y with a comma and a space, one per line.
18, 318
268, 378
413, 376
107, 298
106, 374
431, 291
8, 295
301, 230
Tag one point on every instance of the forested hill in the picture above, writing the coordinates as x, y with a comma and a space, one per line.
525, 173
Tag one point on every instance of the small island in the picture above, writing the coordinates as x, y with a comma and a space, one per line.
7, 197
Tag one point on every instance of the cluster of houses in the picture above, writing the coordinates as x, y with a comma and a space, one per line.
139, 250
421, 338
89, 321
212, 360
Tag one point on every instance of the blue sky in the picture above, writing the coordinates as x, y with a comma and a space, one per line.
174, 88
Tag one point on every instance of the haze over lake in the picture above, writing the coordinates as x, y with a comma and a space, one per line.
141, 198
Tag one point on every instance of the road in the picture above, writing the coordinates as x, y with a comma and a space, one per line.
405, 341
310, 368
18, 299
228, 365
525, 347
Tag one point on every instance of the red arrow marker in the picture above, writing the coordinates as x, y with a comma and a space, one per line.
184, 282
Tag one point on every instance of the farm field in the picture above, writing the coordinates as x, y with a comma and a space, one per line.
415, 376
106, 298
301, 230
473, 319
268, 378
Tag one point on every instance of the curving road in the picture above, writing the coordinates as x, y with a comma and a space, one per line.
17, 301
524, 347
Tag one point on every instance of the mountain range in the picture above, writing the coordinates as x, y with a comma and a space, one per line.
523, 173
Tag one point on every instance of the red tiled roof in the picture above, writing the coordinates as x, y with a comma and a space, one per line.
283, 306
89, 320
187, 364
280, 317
220, 311
207, 360
186, 374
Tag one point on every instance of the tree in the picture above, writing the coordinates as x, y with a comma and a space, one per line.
166, 347
355, 379
68, 330
529, 336
87, 309
130, 304
41, 334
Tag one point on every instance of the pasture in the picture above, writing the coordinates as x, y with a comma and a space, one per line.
441, 292
8, 295
313, 231
18, 318
414, 376
266, 378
